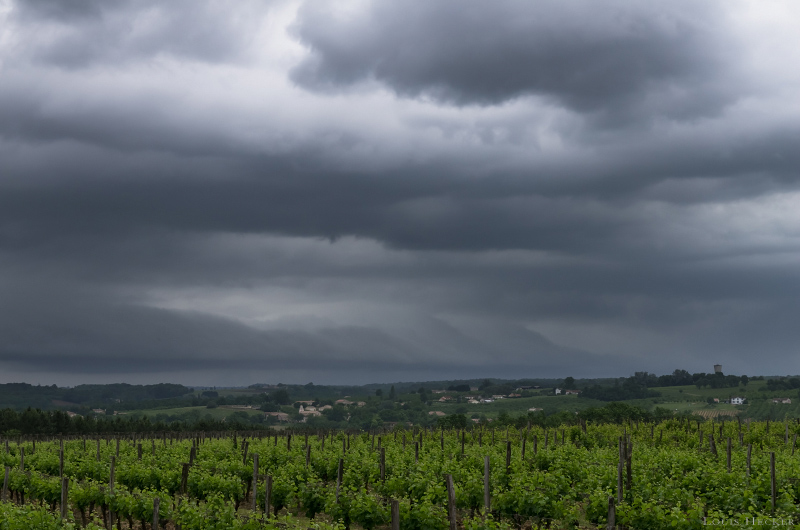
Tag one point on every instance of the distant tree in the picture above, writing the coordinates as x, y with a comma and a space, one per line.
681, 377
281, 396
379, 392
392, 393
457, 421
744, 379
569, 383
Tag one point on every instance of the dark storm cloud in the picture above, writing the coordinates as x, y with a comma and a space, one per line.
658, 59
84, 33
545, 188
56, 328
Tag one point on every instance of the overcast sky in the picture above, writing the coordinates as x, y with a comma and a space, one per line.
370, 191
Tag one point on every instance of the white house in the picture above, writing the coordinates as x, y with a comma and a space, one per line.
558, 391
737, 401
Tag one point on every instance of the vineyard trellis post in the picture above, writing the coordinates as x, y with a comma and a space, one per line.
619, 470
339, 474
383, 464
111, 478
629, 464
773, 489
729, 454
185, 478
487, 495
268, 495
254, 489
451, 501
612, 514
64, 497
5, 485
395, 514
749, 455
156, 508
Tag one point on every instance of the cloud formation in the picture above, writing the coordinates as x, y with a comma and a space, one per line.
365, 191
620, 58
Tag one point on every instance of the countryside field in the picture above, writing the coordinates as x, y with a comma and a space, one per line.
674, 474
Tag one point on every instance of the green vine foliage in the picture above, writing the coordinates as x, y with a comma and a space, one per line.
676, 481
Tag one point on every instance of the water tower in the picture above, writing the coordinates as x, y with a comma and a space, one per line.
717, 368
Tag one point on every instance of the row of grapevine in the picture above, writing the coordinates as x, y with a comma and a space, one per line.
671, 475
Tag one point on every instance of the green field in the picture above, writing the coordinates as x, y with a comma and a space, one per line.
218, 413
647, 476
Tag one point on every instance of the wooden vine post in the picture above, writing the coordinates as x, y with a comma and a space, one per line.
4, 496
612, 514
339, 474
451, 501
64, 497
773, 488
487, 496
156, 508
395, 514
619, 470
111, 479
268, 494
254, 489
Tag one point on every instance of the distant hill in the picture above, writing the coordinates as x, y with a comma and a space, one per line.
22, 395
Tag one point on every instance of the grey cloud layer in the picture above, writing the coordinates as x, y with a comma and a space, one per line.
87, 33
543, 187
658, 59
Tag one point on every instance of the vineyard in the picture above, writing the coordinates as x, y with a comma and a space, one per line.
675, 474
708, 414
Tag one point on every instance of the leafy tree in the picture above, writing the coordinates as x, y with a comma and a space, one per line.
281, 396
